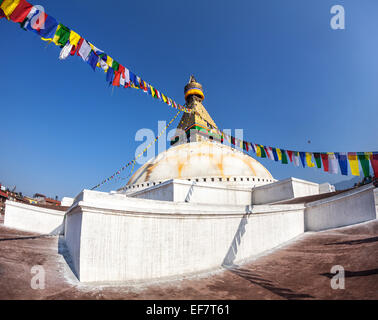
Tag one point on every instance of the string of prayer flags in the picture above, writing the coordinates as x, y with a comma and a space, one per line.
332, 162
132, 162
33, 18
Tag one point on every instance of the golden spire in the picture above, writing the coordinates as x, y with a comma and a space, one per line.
200, 118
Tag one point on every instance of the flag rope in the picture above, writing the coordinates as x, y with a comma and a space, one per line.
33, 18
132, 162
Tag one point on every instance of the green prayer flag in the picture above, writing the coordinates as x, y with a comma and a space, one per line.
263, 154
64, 34
364, 160
284, 156
115, 65
318, 160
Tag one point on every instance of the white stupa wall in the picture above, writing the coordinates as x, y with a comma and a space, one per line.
121, 238
284, 190
351, 207
113, 237
196, 192
33, 218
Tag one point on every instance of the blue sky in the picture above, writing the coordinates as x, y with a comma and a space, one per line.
273, 68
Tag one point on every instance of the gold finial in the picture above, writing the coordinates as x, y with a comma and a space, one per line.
192, 79
193, 91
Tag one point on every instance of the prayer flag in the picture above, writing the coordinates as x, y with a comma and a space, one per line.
324, 157
290, 154
109, 61
353, 163
117, 78
74, 38
275, 155
62, 35
102, 62
85, 50
115, 65
9, 6
284, 157
310, 164
302, 156
374, 163
364, 160
263, 154
332, 162
21, 12
92, 60
279, 154
318, 159
343, 162
269, 153
109, 75
127, 78
296, 158
258, 150
65, 52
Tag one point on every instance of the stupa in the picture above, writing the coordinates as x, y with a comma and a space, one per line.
198, 206
198, 154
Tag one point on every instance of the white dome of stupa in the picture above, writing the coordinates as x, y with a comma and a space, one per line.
204, 159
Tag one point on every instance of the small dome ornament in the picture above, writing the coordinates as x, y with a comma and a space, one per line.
193, 91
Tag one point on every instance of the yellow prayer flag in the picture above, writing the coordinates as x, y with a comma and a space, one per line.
279, 154
309, 160
74, 38
109, 61
353, 162
8, 6
258, 151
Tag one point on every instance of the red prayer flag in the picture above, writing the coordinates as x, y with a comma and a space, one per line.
290, 154
117, 78
325, 161
266, 152
374, 163
73, 50
21, 12
121, 70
